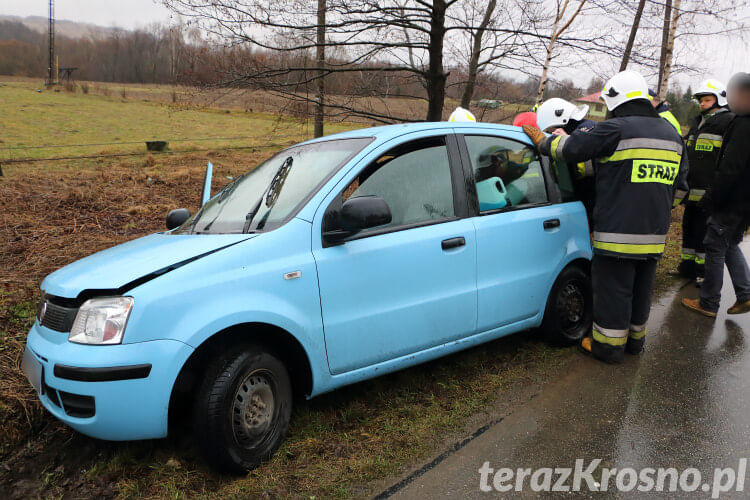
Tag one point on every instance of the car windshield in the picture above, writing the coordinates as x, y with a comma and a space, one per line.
268, 195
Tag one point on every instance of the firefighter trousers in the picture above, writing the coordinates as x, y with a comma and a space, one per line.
693, 255
622, 302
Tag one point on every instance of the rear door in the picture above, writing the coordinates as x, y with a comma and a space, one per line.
409, 285
520, 232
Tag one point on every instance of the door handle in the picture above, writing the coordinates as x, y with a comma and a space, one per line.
453, 243
551, 223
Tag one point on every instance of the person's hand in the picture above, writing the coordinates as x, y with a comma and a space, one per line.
559, 131
536, 135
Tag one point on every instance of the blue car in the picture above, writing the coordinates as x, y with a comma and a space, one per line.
334, 261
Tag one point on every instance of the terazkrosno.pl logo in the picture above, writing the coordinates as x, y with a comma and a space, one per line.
589, 477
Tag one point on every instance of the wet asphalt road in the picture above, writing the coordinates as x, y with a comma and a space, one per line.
683, 403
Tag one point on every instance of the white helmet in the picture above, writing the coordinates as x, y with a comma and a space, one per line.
712, 87
462, 115
623, 87
556, 113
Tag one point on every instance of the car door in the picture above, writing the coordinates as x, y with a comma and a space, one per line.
409, 285
520, 233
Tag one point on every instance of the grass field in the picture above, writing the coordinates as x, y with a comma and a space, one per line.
52, 213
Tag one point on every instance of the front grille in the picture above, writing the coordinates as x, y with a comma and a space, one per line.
56, 316
74, 405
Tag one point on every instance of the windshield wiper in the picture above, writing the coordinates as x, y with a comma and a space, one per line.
271, 194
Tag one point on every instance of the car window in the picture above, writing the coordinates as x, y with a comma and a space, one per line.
507, 173
413, 178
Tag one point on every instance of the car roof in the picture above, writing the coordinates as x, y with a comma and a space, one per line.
386, 132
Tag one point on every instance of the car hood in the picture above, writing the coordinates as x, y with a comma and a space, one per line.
125, 266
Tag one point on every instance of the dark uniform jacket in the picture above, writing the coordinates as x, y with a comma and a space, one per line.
640, 168
703, 142
729, 190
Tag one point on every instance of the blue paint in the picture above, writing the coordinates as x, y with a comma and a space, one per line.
207, 183
359, 310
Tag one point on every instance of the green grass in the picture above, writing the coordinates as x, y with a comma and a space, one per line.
32, 118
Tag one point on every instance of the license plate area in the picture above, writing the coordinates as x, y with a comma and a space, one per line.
33, 369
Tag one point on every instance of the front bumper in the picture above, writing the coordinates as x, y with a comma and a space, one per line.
124, 409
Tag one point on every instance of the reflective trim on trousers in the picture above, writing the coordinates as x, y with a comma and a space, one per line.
700, 258
696, 194
687, 254
609, 336
637, 332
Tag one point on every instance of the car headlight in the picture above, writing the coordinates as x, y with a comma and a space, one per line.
101, 321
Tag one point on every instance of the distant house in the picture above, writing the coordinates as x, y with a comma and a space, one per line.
597, 109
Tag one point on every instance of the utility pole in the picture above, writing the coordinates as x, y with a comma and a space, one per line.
52, 69
320, 60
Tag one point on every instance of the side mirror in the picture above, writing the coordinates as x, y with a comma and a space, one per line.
176, 218
357, 214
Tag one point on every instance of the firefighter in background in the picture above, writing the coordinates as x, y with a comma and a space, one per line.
703, 145
664, 110
560, 117
640, 167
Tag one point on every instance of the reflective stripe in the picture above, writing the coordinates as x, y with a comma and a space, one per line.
644, 154
700, 258
630, 249
687, 256
633, 244
609, 336
637, 332
667, 115
635, 93
556, 146
644, 143
638, 239
696, 194
585, 169
679, 195
711, 137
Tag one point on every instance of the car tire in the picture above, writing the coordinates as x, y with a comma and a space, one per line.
242, 409
569, 313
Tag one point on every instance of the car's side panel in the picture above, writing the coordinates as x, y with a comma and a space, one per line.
387, 295
241, 284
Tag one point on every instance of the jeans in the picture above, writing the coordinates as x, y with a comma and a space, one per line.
723, 235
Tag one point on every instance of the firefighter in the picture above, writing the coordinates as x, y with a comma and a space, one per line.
561, 117
704, 148
640, 166
728, 201
664, 110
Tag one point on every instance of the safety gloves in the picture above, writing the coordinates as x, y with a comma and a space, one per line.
536, 135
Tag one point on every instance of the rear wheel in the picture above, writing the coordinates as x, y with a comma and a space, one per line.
569, 312
242, 409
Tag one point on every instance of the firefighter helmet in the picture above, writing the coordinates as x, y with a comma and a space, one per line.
714, 88
462, 115
623, 87
555, 113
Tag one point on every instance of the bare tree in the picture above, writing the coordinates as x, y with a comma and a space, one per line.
631, 38
559, 25
665, 63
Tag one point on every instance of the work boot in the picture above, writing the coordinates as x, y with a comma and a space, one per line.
695, 305
608, 354
635, 346
740, 307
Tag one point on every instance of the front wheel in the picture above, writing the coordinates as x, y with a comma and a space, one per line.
242, 409
569, 312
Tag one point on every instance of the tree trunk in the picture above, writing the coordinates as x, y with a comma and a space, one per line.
436, 77
321, 58
669, 51
545, 70
631, 38
476, 50
664, 37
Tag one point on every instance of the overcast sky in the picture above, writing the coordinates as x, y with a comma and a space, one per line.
723, 56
